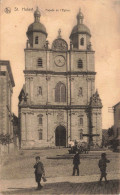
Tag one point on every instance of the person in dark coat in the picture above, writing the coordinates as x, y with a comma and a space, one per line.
102, 165
39, 171
76, 162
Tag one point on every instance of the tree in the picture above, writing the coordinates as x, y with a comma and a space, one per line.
110, 131
5, 139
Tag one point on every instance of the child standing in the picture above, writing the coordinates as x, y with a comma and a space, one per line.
39, 171
102, 165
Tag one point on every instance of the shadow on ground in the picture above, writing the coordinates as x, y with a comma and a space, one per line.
112, 187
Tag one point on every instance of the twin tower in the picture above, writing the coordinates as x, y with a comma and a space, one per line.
58, 102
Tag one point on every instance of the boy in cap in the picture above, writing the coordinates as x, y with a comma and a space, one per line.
102, 165
39, 171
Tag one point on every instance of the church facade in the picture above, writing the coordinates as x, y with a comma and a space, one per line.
58, 102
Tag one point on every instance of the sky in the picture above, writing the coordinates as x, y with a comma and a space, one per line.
101, 16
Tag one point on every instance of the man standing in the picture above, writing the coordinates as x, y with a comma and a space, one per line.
39, 171
76, 162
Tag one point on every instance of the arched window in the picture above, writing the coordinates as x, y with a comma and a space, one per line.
81, 134
40, 134
40, 119
36, 40
80, 63
39, 90
81, 121
82, 41
60, 92
39, 62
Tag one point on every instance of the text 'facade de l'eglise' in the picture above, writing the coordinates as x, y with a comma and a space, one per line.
58, 102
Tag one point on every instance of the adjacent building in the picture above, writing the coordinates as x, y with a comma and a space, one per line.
6, 91
58, 102
116, 126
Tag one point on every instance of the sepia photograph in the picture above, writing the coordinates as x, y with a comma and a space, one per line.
59, 97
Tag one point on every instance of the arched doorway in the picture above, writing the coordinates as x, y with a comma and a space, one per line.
60, 136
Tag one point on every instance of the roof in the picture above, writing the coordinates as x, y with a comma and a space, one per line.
7, 64
36, 27
116, 104
80, 28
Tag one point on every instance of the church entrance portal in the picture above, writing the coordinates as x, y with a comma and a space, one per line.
60, 136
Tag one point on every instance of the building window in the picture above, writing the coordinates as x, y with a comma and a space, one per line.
81, 134
82, 41
39, 62
80, 93
40, 119
60, 92
39, 90
36, 40
80, 63
81, 121
40, 134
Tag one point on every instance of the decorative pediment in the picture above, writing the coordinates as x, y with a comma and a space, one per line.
59, 44
95, 100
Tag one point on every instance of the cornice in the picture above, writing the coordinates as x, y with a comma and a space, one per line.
91, 135
65, 107
58, 51
59, 73
94, 107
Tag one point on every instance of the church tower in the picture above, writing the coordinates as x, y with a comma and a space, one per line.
80, 35
58, 102
37, 33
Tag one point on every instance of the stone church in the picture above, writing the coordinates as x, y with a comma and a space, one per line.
58, 102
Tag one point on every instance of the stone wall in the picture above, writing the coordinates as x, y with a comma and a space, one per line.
51, 119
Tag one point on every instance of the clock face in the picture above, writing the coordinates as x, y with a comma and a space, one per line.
59, 60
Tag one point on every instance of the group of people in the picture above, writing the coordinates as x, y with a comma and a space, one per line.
102, 164
40, 172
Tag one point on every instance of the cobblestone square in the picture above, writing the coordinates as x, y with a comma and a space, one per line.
17, 173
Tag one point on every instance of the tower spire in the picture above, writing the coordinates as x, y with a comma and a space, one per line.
37, 15
80, 17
